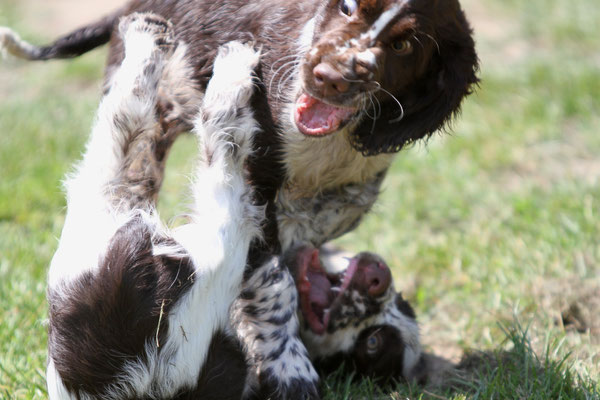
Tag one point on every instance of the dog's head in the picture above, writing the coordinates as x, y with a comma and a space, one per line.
394, 71
352, 315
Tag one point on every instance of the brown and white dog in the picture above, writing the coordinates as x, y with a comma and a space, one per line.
349, 83
138, 311
350, 314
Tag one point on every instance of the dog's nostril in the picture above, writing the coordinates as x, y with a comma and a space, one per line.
379, 279
329, 80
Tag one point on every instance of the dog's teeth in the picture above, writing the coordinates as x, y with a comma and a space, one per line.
335, 289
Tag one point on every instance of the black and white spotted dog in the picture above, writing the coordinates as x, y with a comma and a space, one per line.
138, 311
348, 83
350, 314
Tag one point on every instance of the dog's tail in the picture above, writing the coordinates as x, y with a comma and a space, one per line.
71, 45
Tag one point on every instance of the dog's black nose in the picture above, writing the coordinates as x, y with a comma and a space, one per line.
372, 274
330, 81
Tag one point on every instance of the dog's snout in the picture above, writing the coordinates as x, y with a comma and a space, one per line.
329, 80
372, 276
378, 278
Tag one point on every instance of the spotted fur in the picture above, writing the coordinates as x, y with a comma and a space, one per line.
266, 322
138, 311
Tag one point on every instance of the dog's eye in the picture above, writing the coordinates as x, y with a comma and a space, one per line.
348, 7
402, 46
372, 344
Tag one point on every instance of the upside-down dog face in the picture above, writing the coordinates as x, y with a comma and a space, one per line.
395, 70
351, 313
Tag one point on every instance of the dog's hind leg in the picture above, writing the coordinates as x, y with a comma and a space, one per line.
225, 217
110, 227
123, 163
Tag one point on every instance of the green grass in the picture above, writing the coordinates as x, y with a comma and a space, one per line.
516, 373
494, 224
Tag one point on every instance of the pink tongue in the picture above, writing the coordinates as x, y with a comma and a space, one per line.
315, 118
320, 289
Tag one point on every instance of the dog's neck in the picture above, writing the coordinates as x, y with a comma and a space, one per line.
315, 165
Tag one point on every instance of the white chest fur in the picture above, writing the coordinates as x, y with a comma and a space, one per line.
329, 189
318, 164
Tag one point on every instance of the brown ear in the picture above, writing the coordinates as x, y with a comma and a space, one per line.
434, 99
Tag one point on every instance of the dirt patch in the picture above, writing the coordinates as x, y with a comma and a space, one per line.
581, 315
574, 305
566, 308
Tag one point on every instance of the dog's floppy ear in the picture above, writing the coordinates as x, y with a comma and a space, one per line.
430, 102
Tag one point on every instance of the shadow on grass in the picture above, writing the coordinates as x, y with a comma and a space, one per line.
516, 373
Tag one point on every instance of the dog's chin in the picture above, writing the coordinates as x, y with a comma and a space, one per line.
316, 118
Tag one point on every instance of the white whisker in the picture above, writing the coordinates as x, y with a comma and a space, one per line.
396, 100
292, 56
374, 114
367, 108
292, 63
434, 41
283, 82
353, 80
418, 41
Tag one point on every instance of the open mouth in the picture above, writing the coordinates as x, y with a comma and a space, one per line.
318, 290
316, 118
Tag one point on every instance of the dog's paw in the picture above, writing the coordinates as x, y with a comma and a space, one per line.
289, 374
236, 61
272, 388
226, 120
233, 80
147, 29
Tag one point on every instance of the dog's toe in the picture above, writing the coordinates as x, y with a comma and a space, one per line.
159, 29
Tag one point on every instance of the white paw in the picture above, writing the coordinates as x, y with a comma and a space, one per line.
145, 33
233, 80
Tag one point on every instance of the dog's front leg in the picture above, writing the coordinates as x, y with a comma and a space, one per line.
225, 219
266, 322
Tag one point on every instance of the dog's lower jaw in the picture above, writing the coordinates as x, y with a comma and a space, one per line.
317, 164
